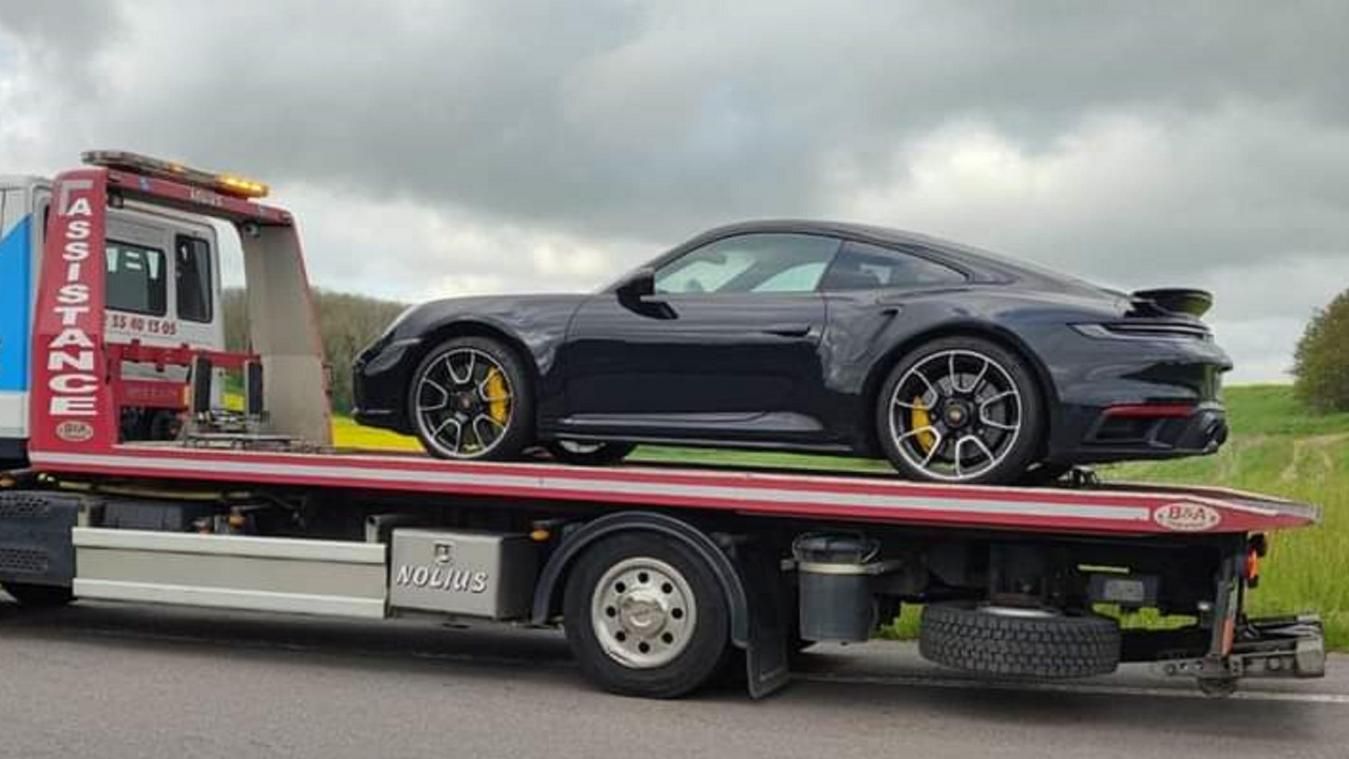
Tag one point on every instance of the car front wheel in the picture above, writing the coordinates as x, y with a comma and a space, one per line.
470, 398
960, 410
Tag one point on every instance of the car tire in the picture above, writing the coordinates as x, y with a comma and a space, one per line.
673, 633
589, 454
987, 379
446, 376
1018, 642
39, 596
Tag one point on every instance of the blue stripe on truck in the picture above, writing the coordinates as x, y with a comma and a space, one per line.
16, 257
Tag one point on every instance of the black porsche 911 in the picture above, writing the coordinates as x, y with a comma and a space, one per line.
955, 364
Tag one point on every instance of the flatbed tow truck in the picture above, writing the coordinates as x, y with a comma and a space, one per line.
663, 577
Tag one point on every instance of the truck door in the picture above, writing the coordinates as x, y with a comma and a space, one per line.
162, 288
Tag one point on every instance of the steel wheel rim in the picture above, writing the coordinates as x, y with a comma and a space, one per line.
978, 408
454, 403
1019, 612
643, 613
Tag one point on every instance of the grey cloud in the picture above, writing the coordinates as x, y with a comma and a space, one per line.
1137, 143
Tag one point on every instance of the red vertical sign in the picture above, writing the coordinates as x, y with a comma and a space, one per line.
71, 404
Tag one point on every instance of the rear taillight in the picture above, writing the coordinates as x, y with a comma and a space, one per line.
1150, 410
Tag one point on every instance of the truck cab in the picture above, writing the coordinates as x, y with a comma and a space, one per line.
162, 288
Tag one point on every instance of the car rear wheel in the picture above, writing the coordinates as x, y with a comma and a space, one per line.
471, 398
963, 410
589, 454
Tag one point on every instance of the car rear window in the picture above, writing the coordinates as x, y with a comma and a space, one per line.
862, 266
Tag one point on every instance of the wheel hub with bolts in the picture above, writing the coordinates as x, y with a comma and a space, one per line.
643, 613
957, 413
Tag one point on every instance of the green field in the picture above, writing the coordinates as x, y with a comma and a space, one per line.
1277, 447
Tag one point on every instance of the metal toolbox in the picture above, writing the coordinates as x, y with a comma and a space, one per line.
475, 574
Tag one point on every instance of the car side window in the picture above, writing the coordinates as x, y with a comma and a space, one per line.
761, 263
862, 266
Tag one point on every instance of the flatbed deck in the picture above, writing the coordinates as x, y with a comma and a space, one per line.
1124, 509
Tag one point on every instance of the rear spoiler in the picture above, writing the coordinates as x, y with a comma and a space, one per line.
1177, 300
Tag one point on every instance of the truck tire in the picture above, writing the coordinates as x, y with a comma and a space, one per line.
645, 616
1018, 643
38, 596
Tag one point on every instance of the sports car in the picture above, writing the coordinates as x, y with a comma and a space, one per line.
956, 364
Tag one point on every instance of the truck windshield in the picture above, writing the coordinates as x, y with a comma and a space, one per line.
136, 280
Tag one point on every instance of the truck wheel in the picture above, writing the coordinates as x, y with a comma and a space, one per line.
1018, 642
39, 596
645, 616
471, 399
589, 454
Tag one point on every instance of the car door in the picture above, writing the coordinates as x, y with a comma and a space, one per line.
726, 346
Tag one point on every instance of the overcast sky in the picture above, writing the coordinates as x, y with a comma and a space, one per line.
439, 148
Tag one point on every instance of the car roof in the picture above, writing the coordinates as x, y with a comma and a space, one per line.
837, 228
987, 262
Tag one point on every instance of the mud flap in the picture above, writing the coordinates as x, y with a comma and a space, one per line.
767, 666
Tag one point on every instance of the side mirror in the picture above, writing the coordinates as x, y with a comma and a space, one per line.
638, 285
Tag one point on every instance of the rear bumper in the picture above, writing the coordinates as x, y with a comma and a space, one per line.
1149, 431
1121, 399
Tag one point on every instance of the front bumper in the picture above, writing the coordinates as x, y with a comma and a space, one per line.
380, 376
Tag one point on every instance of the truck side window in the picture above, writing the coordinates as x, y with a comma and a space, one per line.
136, 280
192, 261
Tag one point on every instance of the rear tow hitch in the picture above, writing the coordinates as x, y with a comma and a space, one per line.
1285, 647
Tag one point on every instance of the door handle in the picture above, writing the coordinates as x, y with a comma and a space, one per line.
790, 330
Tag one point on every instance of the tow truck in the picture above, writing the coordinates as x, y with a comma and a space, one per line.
130, 481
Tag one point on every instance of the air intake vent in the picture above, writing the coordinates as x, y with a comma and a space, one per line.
23, 506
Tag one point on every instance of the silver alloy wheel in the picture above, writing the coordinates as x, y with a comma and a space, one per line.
455, 403
973, 410
643, 613
579, 448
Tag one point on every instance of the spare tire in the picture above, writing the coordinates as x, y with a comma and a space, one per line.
1018, 642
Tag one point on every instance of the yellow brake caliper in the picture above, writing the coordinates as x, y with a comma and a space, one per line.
918, 417
498, 399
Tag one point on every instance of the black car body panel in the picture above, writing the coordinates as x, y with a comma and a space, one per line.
800, 370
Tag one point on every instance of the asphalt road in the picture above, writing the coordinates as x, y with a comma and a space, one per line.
111, 682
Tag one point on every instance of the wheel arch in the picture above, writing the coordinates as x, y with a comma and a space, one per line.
472, 327
1000, 336
548, 589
